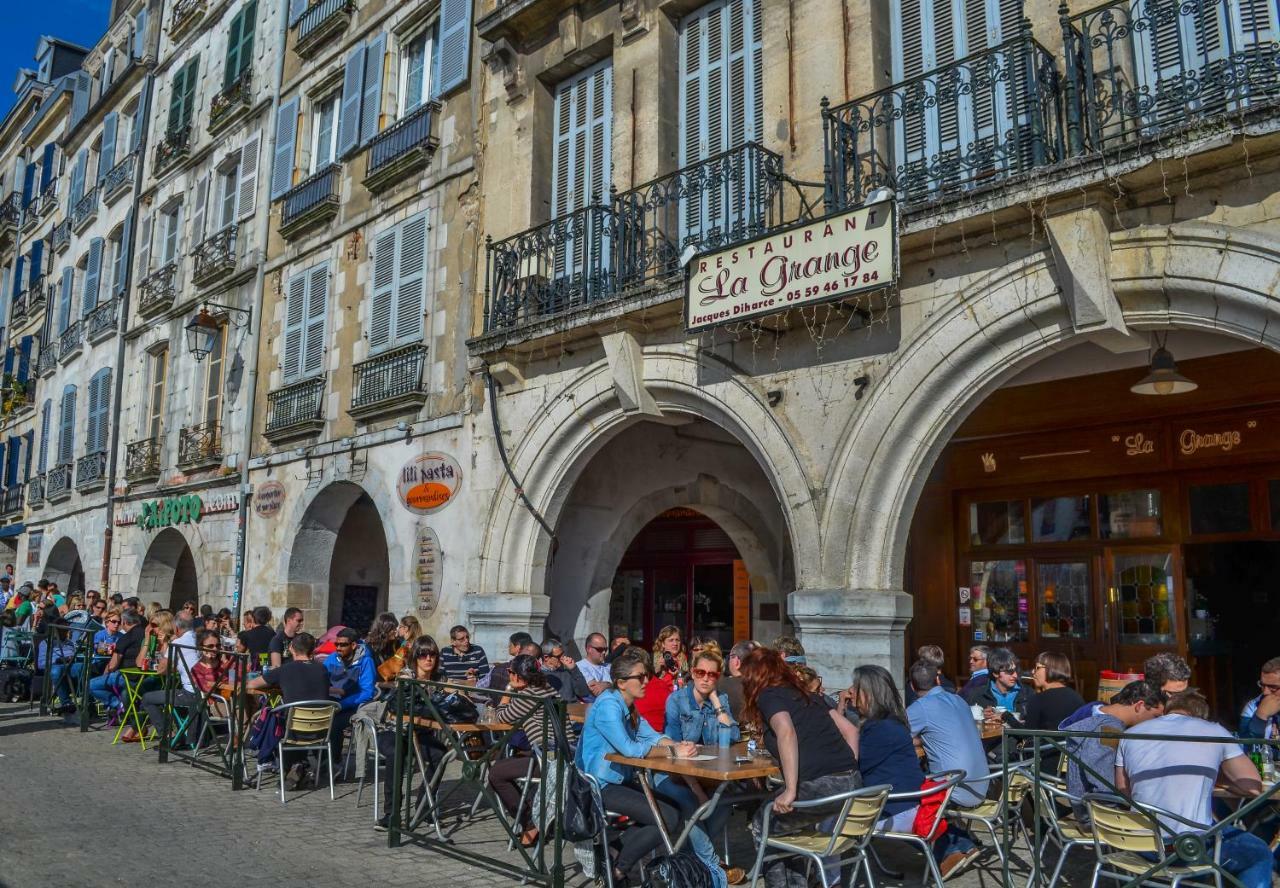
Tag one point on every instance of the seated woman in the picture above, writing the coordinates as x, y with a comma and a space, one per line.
885, 751
816, 747
423, 665
524, 677
614, 726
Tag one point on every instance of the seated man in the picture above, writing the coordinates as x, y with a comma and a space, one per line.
1178, 777
1261, 715
463, 660
497, 677
592, 665
1004, 689
1133, 704
108, 687
353, 681
1167, 672
183, 655
300, 680
979, 673
571, 683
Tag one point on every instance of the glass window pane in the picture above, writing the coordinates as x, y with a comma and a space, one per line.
1220, 508
626, 604
1130, 514
1066, 599
1145, 599
1060, 519
995, 523
999, 590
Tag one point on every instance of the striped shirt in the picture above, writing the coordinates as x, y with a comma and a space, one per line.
457, 665
528, 715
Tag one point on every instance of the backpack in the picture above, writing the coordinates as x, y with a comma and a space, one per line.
582, 822
679, 870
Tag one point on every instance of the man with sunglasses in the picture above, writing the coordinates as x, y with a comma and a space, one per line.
1004, 690
353, 680
1261, 715
978, 672
592, 665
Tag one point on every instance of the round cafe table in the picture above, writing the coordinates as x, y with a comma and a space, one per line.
134, 679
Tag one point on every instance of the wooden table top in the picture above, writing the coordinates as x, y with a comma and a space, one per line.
577, 712
461, 727
721, 769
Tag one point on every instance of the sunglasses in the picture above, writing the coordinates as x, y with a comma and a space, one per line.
1269, 687
209, 650
428, 656
706, 673
642, 677
1006, 671
592, 647
109, 622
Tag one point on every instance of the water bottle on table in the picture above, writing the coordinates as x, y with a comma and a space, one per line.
723, 736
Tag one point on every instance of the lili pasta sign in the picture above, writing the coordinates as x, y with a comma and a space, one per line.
428, 482
806, 264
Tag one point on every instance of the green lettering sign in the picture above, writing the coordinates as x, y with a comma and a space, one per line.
167, 512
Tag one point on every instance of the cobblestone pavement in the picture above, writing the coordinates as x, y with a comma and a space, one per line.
78, 811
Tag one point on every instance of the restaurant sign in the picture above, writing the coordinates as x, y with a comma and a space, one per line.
188, 509
802, 265
428, 569
429, 482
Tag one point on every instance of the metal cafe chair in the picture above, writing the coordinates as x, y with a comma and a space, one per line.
946, 782
848, 837
1123, 832
1001, 813
1066, 832
366, 727
307, 726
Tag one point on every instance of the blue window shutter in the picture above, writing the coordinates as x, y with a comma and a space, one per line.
17, 276
12, 462
4, 461
99, 402
28, 184
140, 34
349, 112
28, 447
382, 289
296, 9
371, 105
107, 155
295, 315
9, 354
455, 45
92, 276
80, 96
286, 148
48, 165
36, 261
46, 423
24, 358
64, 308
136, 124
67, 426
317, 304
411, 279
77, 177
581, 164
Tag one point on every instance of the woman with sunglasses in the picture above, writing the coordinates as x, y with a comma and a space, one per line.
423, 664
526, 678
614, 726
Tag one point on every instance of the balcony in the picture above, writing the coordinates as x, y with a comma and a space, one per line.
186, 14
214, 259
49, 197
199, 446
57, 486
19, 311
10, 215
35, 492
634, 242
37, 296
515, 19
119, 179
31, 214
71, 342
85, 210
229, 105
390, 383
91, 471
158, 290
175, 146
142, 460
295, 411
101, 322
48, 360
20, 398
11, 502
60, 237
322, 22
311, 203
402, 149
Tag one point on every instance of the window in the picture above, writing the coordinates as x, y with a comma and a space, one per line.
155, 403
182, 96
997, 523
399, 284
67, 425
170, 228
107, 149
240, 43
1130, 514
92, 277
324, 132
304, 332
99, 403
999, 590
1066, 597
118, 256
1220, 508
213, 380
46, 429
64, 298
225, 199
416, 59
1060, 518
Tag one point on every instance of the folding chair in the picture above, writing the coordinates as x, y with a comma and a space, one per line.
947, 782
603, 861
849, 836
1065, 832
1129, 831
363, 725
1001, 813
307, 726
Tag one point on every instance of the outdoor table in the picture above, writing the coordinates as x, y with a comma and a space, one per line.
134, 678
722, 767
577, 712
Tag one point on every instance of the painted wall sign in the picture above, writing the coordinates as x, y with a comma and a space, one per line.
428, 569
268, 499
35, 541
187, 509
429, 482
802, 265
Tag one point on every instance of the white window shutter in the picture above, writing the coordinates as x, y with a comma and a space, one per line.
317, 303
285, 149
411, 279
107, 155
349, 111
248, 185
140, 34
381, 305
202, 209
295, 314
371, 103
454, 65
144, 248
92, 276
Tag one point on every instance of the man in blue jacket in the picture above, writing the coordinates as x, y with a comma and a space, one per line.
1261, 715
354, 680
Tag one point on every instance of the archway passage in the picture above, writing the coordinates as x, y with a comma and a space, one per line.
1070, 514
338, 566
168, 572
64, 567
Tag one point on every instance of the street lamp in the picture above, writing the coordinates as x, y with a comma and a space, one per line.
203, 329
1163, 378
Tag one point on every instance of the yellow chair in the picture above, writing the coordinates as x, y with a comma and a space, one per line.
1062, 830
946, 782
1123, 832
307, 726
848, 837
997, 815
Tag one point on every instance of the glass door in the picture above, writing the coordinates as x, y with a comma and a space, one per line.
670, 600
1143, 604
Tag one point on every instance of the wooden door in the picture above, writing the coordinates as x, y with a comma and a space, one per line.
1144, 608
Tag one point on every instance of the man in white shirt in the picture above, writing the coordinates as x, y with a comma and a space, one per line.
183, 656
592, 665
1178, 778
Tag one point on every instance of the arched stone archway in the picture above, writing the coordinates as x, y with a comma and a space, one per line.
338, 566
63, 566
168, 572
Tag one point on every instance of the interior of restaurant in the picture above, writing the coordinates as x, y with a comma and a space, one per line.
1070, 513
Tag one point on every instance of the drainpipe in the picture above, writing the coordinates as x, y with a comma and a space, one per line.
122, 323
263, 221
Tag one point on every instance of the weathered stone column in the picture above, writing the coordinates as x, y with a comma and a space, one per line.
494, 617
844, 628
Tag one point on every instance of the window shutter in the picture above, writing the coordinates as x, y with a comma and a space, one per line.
92, 275
13, 461
135, 124
248, 185
107, 156
175, 99
91, 426
349, 113
189, 90
66, 435
28, 184
64, 309
384, 289
140, 34
295, 315
80, 88
18, 265
28, 447
99, 404
286, 148
77, 177
371, 105
296, 9
411, 279
24, 358
144, 248
119, 274
317, 302
172, 233
9, 354
743, 50
231, 68
454, 65
36, 262
580, 164
48, 166
108, 67
46, 421
247, 28
202, 205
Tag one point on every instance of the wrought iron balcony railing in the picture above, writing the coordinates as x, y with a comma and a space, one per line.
23, 397
19, 311
142, 460
199, 445
91, 471
175, 145
70, 341
49, 197
633, 240
85, 210
37, 296
11, 210
390, 381
118, 180
158, 290
323, 20
185, 14
235, 98
214, 258
57, 483
296, 409
11, 502
405, 146
311, 202
31, 213
101, 322
984, 118
35, 491
48, 360
60, 237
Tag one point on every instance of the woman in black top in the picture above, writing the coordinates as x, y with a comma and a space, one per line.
1054, 700
423, 665
816, 747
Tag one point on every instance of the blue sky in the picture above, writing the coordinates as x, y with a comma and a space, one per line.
79, 21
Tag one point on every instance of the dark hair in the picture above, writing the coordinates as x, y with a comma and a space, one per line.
1001, 659
262, 614
117, 598
529, 671
291, 612
1189, 702
883, 699
348, 634
626, 662
224, 612
133, 601
206, 610
303, 643
203, 634
765, 668
1057, 667
1164, 667
425, 644
382, 639
531, 648
520, 638
1140, 691
923, 675
459, 628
